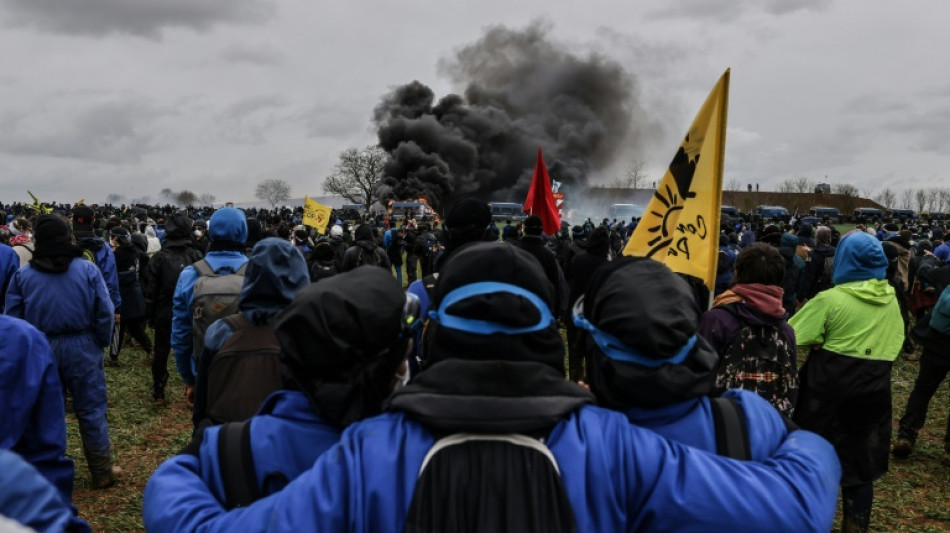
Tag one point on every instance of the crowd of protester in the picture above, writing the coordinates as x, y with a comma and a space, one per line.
411, 374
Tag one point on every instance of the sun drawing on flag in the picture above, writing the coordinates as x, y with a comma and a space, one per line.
682, 168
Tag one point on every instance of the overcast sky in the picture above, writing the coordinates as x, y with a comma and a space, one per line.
129, 97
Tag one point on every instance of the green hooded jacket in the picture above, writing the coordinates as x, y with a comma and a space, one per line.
858, 319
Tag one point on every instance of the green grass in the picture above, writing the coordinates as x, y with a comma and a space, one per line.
912, 497
143, 435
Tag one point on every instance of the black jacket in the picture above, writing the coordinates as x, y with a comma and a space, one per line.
164, 268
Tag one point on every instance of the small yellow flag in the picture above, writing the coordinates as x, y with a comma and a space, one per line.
680, 227
316, 215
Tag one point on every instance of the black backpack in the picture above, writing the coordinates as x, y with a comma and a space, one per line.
243, 373
322, 270
825, 278
477, 482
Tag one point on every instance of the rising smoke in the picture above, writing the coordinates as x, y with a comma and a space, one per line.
522, 90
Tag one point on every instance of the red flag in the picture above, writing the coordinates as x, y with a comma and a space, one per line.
540, 199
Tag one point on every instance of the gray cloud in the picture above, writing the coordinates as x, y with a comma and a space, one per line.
144, 18
264, 55
247, 121
112, 129
727, 11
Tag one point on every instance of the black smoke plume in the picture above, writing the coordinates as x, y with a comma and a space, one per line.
522, 91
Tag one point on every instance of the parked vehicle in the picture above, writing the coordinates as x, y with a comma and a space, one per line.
416, 209
901, 214
507, 211
867, 214
771, 212
831, 213
625, 211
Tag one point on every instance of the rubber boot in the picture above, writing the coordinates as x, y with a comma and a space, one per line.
102, 470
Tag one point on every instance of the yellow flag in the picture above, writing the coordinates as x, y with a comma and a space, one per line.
316, 215
680, 227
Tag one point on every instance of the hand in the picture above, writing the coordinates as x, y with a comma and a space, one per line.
584, 386
190, 394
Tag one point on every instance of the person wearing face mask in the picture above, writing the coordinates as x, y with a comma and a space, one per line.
343, 349
200, 237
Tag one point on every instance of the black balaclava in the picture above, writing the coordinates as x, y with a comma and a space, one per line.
54, 249
342, 343
485, 382
651, 310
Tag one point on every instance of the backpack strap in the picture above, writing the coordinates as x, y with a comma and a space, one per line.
203, 268
236, 464
235, 321
511, 438
732, 431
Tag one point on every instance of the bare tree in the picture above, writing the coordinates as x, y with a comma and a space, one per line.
887, 198
272, 191
907, 199
207, 199
186, 198
867, 192
114, 198
846, 189
633, 178
733, 185
944, 199
933, 201
358, 175
920, 196
803, 184
787, 186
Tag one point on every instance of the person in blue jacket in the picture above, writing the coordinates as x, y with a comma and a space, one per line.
9, 264
497, 367
276, 271
65, 297
342, 344
227, 230
34, 422
29, 499
98, 249
636, 315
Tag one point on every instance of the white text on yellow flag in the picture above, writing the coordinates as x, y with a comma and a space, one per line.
680, 227
316, 215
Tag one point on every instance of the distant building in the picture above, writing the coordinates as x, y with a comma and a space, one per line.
823, 188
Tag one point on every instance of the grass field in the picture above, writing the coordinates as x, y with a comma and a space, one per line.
913, 497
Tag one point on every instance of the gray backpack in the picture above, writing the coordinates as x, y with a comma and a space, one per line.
215, 297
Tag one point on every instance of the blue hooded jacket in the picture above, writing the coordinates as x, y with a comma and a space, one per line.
105, 260
226, 224
275, 272
859, 257
33, 423
9, 264
29, 498
618, 477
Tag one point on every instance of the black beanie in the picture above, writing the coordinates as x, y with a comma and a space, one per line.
83, 215
533, 225
51, 230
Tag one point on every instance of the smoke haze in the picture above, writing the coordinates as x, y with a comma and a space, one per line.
522, 90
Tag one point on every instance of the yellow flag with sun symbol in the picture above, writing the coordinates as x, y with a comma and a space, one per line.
680, 227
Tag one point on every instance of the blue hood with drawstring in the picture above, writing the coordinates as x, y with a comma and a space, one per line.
276, 270
859, 257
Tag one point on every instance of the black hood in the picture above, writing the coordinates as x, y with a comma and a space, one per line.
652, 310
599, 242
492, 382
341, 343
54, 250
177, 227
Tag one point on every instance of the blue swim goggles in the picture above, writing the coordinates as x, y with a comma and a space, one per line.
487, 327
615, 349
